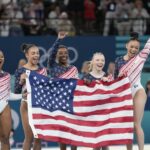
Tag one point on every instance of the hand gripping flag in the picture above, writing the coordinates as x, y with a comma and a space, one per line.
68, 111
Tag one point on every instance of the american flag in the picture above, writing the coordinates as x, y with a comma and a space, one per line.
68, 111
5, 87
134, 67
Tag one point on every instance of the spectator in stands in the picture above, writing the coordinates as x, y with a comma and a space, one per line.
89, 14
34, 15
15, 24
75, 11
37, 10
52, 21
139, 15
146, 4
110, 8
123, 15
64, 24
5, 17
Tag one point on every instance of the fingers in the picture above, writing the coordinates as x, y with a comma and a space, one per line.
105, 79
24, 95
86, 81
122, 74
22, 78
62, 34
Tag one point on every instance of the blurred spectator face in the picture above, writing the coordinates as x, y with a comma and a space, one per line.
7, 1
1, 59
63, 15
36, 1
138, 4
123, 1
132, 48
52, 15
62, 56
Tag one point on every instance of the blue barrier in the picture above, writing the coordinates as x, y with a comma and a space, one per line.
80, 49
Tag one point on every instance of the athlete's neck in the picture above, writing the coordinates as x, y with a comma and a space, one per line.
64, 64
31, 66
126, 57
96, 73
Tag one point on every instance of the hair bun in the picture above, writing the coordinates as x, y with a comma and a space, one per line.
23, 47
134, 35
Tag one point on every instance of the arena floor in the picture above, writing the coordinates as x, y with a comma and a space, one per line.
147, 147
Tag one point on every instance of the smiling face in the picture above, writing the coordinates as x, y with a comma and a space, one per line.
1, 59
62, 56
132, 48
98, 62
33, 55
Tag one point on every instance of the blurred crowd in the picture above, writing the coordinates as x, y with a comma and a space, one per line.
77, 17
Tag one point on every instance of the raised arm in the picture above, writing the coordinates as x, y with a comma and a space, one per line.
146, 51
54, 48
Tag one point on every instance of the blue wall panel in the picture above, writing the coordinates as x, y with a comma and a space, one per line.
80, 48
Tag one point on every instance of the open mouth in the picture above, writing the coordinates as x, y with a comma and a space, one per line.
63, 58
99, 66
132, 54
36, 59
1, 61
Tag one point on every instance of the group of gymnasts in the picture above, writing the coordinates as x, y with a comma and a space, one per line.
130, 65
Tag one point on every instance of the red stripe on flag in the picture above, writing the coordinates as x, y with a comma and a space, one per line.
71, 142
104, 111
97, 91
85, 122
56, 127
101, 102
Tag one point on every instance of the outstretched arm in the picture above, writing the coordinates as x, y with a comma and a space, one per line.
54, 48
146, 51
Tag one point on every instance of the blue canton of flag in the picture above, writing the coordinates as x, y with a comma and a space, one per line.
52, 94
